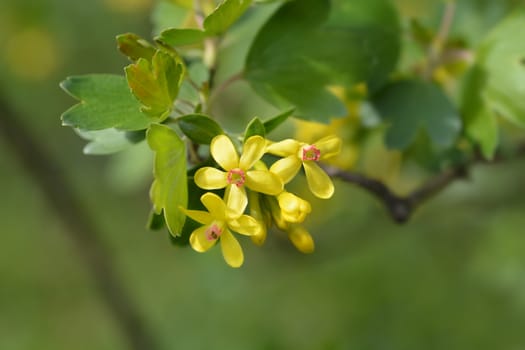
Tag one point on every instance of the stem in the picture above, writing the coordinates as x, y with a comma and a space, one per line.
223, 86
60, 196
435, 50
400, 208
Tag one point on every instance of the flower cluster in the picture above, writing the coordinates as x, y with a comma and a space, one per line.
247, 180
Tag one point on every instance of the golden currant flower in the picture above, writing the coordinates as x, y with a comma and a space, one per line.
297, 234
296, 153
218, 224
293, 208
301, 238
257, 213
238, 172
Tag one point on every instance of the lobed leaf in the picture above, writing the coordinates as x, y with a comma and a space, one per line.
105, 102
155, 83
169, 190
134, 47
501, 58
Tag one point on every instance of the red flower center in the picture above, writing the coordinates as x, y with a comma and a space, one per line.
236, 177
311, 152
213, 232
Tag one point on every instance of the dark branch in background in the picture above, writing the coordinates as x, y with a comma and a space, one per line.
48, 175
400, 208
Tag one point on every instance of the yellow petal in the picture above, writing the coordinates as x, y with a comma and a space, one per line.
276, 213
198, 240
252, 151
215, 205
319, 183
260, 237
301, 239
236, 200
286, 168
210, 178
231, 249
284, 148
200, 216
245, 225
293, 209
264, 182
329, 146
257, 214
224, 153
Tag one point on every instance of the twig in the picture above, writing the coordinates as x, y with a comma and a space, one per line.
400, 208
48, 175
223, 86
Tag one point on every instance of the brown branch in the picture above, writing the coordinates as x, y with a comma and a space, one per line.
399, 207
60, 196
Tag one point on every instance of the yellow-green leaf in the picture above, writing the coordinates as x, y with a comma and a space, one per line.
134, 47
155, 83
169, 190
181, 36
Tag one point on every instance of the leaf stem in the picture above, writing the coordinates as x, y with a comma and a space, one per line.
223, 86
435, 50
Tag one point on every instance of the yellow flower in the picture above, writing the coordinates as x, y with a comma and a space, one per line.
217, 223
257, 213
297, 234
296, 153
237, 172
301, 239
293, 209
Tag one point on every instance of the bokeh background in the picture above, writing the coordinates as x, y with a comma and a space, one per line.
451, 278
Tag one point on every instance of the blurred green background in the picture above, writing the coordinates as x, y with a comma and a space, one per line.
452, 278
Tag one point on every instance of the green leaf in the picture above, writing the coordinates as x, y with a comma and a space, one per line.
273, 123
225, 15
501, 57
134, 47
181, 37
410, 105
199, 128
309, 45
106, 102
480, 122
172, 14
169, 190
156, 83
255, 127
109, 141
